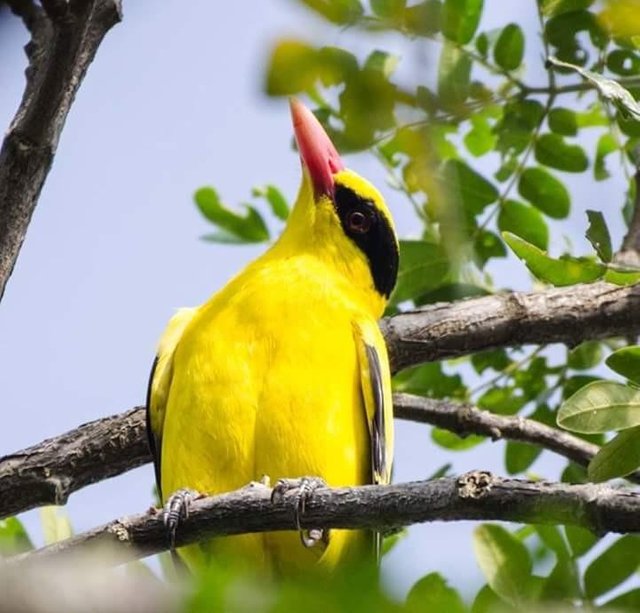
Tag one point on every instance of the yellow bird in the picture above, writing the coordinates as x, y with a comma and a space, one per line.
284, 372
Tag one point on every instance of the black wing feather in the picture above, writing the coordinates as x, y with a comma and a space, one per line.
155, 441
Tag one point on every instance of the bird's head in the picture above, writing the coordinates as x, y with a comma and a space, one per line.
340, 216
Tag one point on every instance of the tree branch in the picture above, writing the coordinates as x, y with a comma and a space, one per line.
474, 496
560, 315
629, 253
49, 472
64, 39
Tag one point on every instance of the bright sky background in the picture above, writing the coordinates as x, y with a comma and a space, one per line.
174, 101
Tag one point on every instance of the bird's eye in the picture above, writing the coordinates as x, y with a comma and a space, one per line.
358, 222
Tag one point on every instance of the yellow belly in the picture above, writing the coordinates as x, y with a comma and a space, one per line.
266, 382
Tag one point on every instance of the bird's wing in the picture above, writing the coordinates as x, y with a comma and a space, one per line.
375, 379
160, 384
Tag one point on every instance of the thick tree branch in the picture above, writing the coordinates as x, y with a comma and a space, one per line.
64, 39
49, 472
475, 496
560, 315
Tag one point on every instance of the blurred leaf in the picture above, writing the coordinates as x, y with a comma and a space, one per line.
13, 537
504, 561
424, 18
453, 442
613, 566
250, 227
471, 189
519, 122
276, 200
606, 145
580, 540
454, 74
618, 458
341, 12
423, 266
523, 221
563, 583
629, 601
481, 139
460, 19
383, 62
623, 277
624, 62
497, 359
552, 150
55, 524
552, 8
487, 601
388, 9
501, 400
545, 192
552, 538
621, 18
598, 235
509, 49
626, 362
520, 456
431, 594
563, 121
292, 68
487, 245
601, 406
586, 355
560, 272
429, 380
608, 88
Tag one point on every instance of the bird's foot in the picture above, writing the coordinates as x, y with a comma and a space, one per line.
176, 509
303, 489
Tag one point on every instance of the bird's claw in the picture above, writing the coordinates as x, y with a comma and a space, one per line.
303, 488
176, 509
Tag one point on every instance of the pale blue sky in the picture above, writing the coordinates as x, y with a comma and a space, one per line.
172, 102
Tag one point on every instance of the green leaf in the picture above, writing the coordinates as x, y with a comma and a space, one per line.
618, 458
292, 68
598, 235
501, 400
545, 192
552, 150
586, 355
509, 49
486, 246
391, 540
453, 442
487, 601
13, 537
519, 123
423, 19
497, 359
563, 121
504, 561
564, 271
460, 19
470, 188
388, 9
563, 583
480, 139
626, 362
523, 221
55, 524
629, 601
623, 62
383, 62
520, 456
276, 200
580, 540
341, 12
619, 276
612, 567
454, 75
429, 380
552, 538
423, 266
431, 594
250, 227
606, 145
608, 88
601, 406
552, 8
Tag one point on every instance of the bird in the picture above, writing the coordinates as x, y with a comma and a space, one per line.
283, 374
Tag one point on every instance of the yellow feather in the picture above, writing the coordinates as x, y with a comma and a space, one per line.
266, 378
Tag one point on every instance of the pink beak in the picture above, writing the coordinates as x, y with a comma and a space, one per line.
316, 149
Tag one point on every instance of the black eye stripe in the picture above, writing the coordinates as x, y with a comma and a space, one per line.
377, 240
